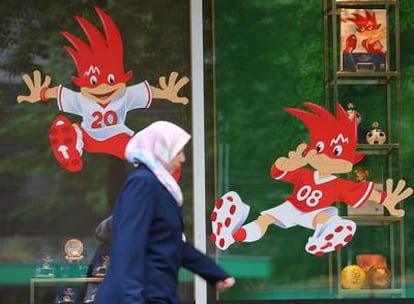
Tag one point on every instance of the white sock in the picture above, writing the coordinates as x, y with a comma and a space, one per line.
79, 140
253, 232
321, 227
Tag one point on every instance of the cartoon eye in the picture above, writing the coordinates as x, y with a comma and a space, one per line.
93, 80
362, 28
320, 146
370, 27
111, 78
338, 150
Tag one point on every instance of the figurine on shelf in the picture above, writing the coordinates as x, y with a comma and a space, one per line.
101, 267
46, 267
362, 175
376, 136
375, 266
353, 277
354, 114
91, 293
66, 295
74, 267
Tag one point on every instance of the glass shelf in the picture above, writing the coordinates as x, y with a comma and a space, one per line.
363, 2
383, 149
370, 292
55, 281
367, 74
374, 220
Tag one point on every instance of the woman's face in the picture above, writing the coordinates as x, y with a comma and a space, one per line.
176, 162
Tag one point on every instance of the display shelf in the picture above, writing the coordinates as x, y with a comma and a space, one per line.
371, 292
345, 3
368, 74
37, 282
387, 78
374, 220
383, 149
395, 257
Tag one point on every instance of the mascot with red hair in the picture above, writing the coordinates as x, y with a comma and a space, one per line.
332, 150
104, 98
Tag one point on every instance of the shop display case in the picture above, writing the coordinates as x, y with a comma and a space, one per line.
362, 63
38, 283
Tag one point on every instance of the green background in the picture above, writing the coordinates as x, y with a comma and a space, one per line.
260, 56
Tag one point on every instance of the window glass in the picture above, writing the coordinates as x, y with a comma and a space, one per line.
270, 55
42, 204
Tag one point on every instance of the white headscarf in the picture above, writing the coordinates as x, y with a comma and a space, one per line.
156, 146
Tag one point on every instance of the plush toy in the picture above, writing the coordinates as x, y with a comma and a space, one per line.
376, 136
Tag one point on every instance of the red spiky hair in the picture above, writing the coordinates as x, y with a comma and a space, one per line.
365, 23
102, 57
331, 131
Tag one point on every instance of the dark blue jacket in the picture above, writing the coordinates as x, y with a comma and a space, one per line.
147, 247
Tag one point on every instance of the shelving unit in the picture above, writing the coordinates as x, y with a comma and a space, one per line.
388, 80
38, 282
395, 240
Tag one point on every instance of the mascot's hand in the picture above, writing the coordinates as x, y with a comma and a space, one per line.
35, 85
394, 196
295, 159
170, 90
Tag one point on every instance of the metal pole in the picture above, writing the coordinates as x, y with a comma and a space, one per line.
197, 73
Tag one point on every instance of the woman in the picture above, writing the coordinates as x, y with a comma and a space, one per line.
147, 228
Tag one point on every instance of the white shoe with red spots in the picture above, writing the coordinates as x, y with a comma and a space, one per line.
331, 236
228, 215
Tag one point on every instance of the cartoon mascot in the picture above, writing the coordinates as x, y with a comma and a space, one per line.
104, 99
332, 150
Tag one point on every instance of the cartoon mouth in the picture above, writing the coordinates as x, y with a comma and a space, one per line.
104, 96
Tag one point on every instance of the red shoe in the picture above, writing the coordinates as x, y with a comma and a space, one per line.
227, 217
350, 44
62, 139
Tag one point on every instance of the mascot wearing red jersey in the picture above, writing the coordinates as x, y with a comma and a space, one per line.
103, 100
332, 150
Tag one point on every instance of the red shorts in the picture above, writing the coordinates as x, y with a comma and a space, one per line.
114, 145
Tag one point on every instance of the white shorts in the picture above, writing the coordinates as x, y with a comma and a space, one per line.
289, 216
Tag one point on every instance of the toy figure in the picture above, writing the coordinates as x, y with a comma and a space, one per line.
66, 295
362, 175
368, 28
353, 114
104, 99
376, 136
46, 267
332, 150
376, 269
101, 269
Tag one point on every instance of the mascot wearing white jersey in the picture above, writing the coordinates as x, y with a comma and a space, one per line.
104, 99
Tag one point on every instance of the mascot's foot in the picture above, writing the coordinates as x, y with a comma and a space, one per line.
331, 236
62, 138
228, 215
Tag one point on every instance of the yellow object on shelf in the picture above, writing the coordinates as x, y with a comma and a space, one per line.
353, 277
